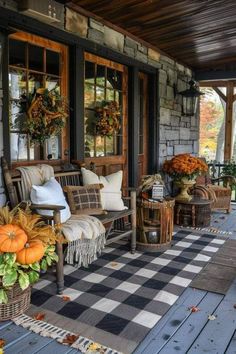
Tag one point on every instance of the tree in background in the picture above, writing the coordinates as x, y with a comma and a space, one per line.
211, 126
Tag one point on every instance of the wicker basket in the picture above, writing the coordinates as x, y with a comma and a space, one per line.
18, 302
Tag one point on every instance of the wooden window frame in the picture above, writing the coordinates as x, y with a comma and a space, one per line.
63, 76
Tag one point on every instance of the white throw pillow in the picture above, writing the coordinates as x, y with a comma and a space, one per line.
50, 193
111, 192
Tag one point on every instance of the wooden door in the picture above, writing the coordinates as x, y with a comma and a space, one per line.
106, 82
143, 126
36, 62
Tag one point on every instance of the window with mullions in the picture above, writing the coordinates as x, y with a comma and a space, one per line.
103, 110
31, 66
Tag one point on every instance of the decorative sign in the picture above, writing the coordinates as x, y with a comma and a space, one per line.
157, 191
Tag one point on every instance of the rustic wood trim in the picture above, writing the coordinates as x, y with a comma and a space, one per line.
154, 123
229, 121
143, 158
216, 83
77, 102
220, 93
215, 75
37, 40
5, 99
134, 117
102, 61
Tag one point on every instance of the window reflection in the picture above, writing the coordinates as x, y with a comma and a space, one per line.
102, 84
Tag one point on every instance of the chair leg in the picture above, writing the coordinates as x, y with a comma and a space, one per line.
59, 268
133, 222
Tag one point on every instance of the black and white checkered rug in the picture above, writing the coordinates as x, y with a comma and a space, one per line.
120, 297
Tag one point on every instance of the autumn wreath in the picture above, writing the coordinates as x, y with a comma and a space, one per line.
44, 114
107, 118
184, 165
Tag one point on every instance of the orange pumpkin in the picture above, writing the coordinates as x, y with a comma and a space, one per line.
12, 238
32, 252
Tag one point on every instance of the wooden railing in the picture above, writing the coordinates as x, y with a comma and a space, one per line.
215, 170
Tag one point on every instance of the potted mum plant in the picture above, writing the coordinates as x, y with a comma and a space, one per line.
184, 169
27, 246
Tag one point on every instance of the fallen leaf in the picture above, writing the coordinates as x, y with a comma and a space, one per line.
114, 264
66, 298
2, 342
39, 316
70, 339
194, 309
211, 317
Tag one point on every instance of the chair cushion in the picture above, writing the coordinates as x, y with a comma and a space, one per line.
85, 199
111, 193
50, 193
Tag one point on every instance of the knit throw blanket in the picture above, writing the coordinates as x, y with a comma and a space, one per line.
85, 234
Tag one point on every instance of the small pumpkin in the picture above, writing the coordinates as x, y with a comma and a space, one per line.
12, 238
32, 252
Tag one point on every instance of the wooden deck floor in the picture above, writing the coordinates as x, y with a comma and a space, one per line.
179, 331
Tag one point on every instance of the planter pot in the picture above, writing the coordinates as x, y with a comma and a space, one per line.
18, 302
184, 184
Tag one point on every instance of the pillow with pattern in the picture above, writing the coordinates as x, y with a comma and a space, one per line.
85, 199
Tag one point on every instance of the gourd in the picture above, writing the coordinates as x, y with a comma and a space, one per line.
12, 238
32, 252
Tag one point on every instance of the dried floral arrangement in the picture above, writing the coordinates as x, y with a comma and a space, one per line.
27, 246
42, 114
184, 165
108, 118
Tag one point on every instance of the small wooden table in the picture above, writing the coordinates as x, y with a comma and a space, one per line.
195, 213
155, 221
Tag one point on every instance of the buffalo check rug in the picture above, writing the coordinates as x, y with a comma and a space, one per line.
122, 296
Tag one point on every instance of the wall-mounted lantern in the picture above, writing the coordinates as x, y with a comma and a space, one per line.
190, 99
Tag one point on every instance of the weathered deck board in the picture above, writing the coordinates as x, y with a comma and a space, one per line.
28, 345
170, 323
192, 326
218, 333
232, 345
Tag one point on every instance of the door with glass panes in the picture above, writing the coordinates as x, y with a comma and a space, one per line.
106, 115
35, 62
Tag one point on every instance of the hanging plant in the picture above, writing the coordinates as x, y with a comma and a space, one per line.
107, 118
45, 114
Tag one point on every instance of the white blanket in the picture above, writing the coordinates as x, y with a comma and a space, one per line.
86, 239
85, 234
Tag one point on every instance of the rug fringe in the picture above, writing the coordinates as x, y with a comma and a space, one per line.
205, 229
45, 329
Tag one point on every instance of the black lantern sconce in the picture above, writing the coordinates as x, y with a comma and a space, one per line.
190, 99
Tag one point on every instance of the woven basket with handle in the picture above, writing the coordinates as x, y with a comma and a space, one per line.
18, 302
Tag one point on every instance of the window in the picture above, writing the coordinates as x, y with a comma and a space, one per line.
34, 62
104, 85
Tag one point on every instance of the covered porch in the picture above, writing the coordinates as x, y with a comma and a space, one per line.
133, 59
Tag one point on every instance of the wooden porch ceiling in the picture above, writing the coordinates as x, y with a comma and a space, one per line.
199, 33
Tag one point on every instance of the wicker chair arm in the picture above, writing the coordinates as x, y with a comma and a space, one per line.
47, 207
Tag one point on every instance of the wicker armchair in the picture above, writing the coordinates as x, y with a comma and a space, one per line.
210, 188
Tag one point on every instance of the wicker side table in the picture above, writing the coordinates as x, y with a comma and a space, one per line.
195, 213
154, 223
